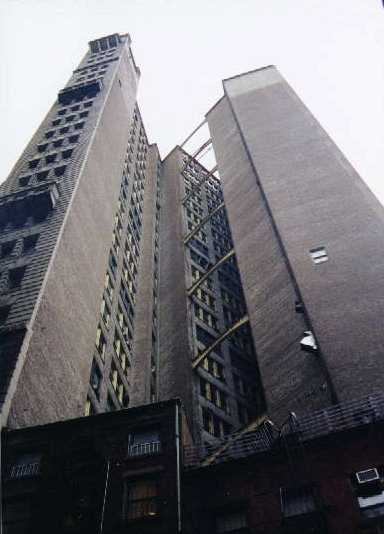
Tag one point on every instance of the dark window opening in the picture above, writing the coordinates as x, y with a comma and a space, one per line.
96, 378
34, 163
59, 171
73, 138
64, 130
50, 158
43, 175
43, 147
67, 154
29, 242
4, 312
16, 276
50, 134
24, 180
141, 500
79, 126
58, 143
7, 248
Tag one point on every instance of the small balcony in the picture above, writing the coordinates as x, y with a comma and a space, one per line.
142, 449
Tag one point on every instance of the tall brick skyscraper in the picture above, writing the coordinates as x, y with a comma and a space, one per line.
252, 287
71, 218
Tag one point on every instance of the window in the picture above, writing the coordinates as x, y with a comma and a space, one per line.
56, 122
318, 255
7, 248
41, 176
59, 171
95, 379
62, 112
214, 425
105, 312
120, 352
124, 327
83, 114
49, 134
108, 286
214, 368
29, 242
58, 143
64, 130
101, 343
213, 394
15, 277
300, 510
112, 263
89, 408
140, 499
243, 414
231, 522
26, 465
17, 514
144, 442
34, 163
70, 118
110, 407
42, 147
67, 154
73, 138
4, 312
79, 126
24, 180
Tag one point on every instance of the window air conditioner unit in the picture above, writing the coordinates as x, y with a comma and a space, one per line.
367, 476
308, 343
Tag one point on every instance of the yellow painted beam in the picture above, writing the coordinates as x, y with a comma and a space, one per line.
244, 320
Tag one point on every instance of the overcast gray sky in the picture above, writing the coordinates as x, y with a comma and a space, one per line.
330, 51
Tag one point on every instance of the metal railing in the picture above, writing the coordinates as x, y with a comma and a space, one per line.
140, 449
24, 470
335, 418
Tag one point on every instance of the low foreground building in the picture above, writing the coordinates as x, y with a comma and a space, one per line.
138, 471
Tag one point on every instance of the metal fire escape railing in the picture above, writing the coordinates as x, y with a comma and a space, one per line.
256, 438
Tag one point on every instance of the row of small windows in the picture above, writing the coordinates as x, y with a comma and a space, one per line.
11, 248
74, 108
205, 316
214, 394
51, 158
214, 425
118, 346
70, 118
90, 77
58, 143
42, 176
64, 130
